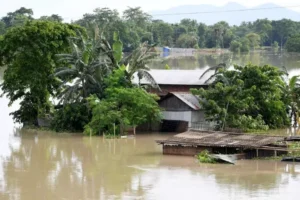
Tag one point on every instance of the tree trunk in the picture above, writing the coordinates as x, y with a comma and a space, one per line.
224, 121
134, 130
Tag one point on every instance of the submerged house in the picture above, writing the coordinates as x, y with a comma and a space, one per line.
180, 108
244, 145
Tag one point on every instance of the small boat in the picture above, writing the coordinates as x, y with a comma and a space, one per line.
290, 159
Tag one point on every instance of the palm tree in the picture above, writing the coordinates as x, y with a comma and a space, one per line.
87, 66
292, 91
136, 63
216, 70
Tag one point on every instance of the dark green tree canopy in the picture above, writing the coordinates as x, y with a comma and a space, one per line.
29, 53
247, 94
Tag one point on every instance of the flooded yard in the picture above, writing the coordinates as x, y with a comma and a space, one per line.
40, 165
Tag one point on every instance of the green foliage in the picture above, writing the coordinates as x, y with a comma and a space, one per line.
187, 41
275, 45
117, 47
90, 61
123, 105
29, 53
254, 40
235, 46
71, 117
250, 97
248, 123
204, 157
53, 18
136, 26
245, 45
293, 44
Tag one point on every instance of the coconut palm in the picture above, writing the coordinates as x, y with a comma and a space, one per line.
137, 62
292, 91
216, 70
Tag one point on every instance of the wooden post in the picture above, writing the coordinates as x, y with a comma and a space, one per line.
134, 127
275, 153
256, 153
114, 130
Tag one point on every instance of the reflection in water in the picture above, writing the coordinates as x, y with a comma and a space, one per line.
46, 166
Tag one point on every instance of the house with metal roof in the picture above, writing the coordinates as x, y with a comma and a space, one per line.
176, 80
181, 106
181, 109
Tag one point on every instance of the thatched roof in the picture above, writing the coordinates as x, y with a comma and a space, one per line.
220, 139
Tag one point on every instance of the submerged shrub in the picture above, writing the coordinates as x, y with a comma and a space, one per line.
204, 157
71, 117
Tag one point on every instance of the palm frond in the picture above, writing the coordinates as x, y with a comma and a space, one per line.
148, 77
215, 68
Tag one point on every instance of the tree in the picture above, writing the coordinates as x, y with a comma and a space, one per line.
235, 46
282, 29
293, 44
264, 28
202, 29
162, 33
293, 91
254, 40
136, 17
187, 41
53, 18
124, 105
2, 28
19, 17
245, 45
29, 54
191, 25
246, 94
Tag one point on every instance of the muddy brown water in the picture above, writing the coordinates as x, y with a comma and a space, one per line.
46, 166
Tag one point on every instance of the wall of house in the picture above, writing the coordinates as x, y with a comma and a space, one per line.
178, 116
182, 151
172, 103
198, 116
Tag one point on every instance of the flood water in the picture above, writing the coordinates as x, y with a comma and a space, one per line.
199, 61
46, 166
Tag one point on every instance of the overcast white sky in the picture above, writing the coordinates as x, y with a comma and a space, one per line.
74, 9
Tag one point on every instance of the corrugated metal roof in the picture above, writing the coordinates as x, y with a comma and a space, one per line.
220, 139
177, 77
189, 99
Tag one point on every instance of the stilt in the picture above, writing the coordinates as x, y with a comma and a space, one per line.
256, 153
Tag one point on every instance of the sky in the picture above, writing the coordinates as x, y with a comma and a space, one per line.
74, 9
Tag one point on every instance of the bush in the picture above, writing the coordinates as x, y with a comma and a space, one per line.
71, 117
204, 157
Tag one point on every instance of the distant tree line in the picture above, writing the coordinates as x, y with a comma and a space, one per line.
137, 26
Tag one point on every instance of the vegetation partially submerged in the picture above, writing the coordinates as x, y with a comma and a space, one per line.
250, 98
88, 79
205, 157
